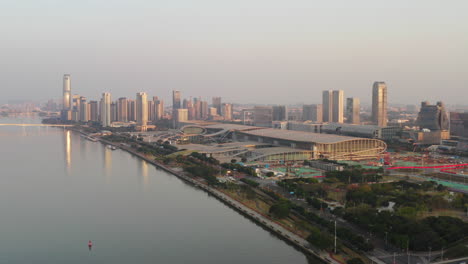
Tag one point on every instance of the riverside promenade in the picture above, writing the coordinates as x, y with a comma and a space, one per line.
293, 239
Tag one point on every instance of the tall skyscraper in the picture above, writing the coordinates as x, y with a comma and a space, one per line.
196, 115
176, 101
353, 109
114, 111
280, 113
333, 106
93, 111
66, 103
158, 108
379, 104
312, 112
204, 110
338, 106
217, 104
142, 110
185, 103
84, 113
227, 112
75, 107
131, 110
106, 110
263, 116
151, 110
327, 103
122, 114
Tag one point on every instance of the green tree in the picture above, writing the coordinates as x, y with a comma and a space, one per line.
280, 209
320, 239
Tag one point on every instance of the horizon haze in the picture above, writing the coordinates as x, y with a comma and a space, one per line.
244, 51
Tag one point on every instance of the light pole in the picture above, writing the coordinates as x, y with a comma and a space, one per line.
335, 236
386, 233
430, 248
407, 251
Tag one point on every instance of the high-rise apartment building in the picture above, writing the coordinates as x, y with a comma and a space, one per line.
114, 111
176, 101
433, 117
106, 110
94, 111
379, 104
327, 106
196, 109
333, 106
217, 104
142, 110
353, 109
131, 110
158, 108
84, 113
182, 115
312, 113
185, 103
122, 113
263, 116
280, 113
151, 110
204, 110
459, 124
227, 112
212, 112
75, 107
338, 106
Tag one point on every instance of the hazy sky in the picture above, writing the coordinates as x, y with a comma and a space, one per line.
263, 51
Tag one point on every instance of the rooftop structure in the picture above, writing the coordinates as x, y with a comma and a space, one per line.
367, 131
321, 145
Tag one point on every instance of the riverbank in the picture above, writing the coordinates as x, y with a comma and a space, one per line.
276, 229
294, 240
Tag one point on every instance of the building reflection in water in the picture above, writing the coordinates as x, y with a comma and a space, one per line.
67, 137
143, 175
144, 172
107, 163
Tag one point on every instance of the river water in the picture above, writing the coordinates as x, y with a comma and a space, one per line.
59, 190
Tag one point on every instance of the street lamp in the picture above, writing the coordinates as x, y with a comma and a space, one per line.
430, 248
386, 234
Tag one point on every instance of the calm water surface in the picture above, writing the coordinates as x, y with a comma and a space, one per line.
58, 190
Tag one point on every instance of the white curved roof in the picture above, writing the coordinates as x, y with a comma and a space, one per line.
299, 136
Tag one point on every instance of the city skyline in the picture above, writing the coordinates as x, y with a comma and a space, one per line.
251, 131
266, 53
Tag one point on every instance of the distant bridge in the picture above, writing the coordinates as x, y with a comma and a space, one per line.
37, 125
